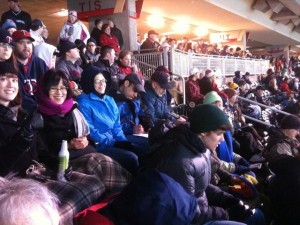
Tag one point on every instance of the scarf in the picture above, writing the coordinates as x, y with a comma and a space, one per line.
50, 108
81, 126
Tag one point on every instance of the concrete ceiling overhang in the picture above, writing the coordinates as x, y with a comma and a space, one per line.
226, 15
269, 22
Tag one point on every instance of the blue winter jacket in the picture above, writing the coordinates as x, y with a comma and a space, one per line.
129, 112
225, 148
154, 106
103, 117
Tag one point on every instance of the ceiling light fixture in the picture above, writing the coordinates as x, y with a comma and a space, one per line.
155, 21
61, 13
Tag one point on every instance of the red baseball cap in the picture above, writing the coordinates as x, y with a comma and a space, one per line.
21, 34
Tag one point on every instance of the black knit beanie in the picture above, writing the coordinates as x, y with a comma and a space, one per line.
207, 117
290, 122
6, 67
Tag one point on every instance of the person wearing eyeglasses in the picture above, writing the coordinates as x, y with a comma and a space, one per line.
103, 117
91, 52
5, 45
63, 121
19, 150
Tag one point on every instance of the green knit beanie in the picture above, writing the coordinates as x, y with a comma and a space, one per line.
207, 117
212, 97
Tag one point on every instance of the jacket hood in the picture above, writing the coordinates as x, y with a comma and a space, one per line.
87, 79
186, 137
153, 198
45, 52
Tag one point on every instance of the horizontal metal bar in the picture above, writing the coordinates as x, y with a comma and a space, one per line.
265, 106
258, 121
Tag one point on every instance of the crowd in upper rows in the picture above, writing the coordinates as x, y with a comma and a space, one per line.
104, 108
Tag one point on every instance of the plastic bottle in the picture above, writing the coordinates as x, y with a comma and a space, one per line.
63, 157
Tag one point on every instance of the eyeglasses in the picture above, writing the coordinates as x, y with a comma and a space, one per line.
6, 45
55, 89
103, 81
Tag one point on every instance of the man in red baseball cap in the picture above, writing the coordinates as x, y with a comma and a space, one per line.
30, 68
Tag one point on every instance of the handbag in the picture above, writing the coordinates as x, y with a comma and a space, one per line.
38, 171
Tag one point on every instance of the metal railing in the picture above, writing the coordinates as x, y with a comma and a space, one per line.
147, 62
258, 121
181, 62
271, 108
265, 106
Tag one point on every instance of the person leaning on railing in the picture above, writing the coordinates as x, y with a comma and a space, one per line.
150, 44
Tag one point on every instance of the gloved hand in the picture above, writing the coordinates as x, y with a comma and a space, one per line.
239, 169
243, 162
123, 144
239, 212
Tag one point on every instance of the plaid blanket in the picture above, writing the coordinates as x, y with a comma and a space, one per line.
79, 193
110, 172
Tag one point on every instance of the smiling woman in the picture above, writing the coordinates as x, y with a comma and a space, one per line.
63, 121
8, 83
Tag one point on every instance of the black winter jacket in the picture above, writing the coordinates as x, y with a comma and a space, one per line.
285, 189
17, 142
183, 156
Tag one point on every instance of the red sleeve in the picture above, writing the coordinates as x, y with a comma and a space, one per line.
193, 93
216, 89
105, 39
285, 88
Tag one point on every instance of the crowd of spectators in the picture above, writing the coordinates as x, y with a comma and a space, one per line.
125, 140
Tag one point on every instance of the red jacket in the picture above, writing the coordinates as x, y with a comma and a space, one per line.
284, 87
128, 70
216, 89
112, 41
193, 93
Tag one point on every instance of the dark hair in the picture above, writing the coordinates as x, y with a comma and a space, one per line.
52, 78
105, 50
122, 54
121, 82
225, 127
34, 27
104, 26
